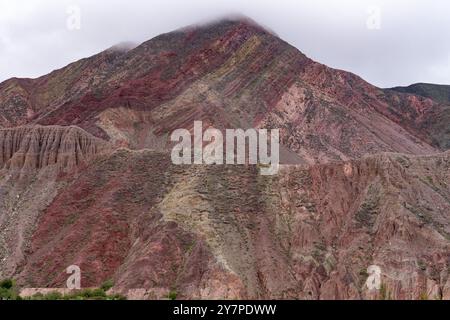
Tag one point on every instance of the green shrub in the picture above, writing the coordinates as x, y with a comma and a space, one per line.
98, 292
53, 296
107, 285
172, 295
5, 294
7, 284
86, 293
8, 290
37, 296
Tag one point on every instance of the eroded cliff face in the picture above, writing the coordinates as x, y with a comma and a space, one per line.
35, 147
32, 160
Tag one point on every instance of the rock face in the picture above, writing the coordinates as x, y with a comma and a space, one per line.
368, 182
33, 148
310, 232
439, 93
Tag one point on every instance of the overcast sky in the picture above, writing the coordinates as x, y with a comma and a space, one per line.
388, 43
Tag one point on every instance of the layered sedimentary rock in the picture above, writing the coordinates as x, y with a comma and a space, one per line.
439, 93
32, 160
227, 232
232, 73
371, 186
35, 147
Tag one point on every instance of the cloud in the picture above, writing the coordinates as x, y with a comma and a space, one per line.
410, 45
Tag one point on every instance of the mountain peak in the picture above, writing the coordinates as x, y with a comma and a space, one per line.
236, 20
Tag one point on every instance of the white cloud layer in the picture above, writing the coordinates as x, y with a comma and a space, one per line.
412, 44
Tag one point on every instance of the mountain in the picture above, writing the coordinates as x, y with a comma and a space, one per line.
439, 93
86, 176
230, 74
440, 130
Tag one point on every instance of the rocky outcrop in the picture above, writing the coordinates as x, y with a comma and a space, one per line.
32, 148
439, 93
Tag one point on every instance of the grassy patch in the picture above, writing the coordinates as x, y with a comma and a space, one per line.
9, 291
85, 294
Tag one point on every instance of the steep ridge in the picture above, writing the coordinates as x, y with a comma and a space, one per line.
35, 147
437, 92
440, 116
23, 100
419, 115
